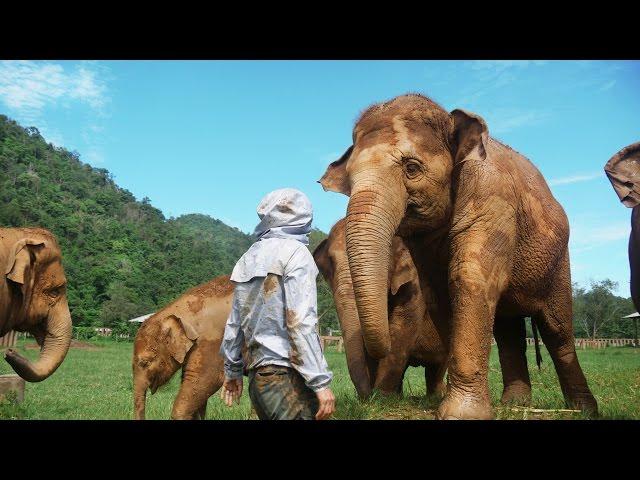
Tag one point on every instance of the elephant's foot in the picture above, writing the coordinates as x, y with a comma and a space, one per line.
437, 392
584, 402
464, 407
518, 393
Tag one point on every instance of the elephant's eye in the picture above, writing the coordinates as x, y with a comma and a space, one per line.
412, 168
55, 292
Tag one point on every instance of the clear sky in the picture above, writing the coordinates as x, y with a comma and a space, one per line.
214, 137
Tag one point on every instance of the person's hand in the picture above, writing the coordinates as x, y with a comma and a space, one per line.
231, 390
327, 403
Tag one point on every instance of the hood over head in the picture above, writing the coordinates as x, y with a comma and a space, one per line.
285, 213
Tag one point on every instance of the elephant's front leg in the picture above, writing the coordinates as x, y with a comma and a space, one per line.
202, 377
474, 291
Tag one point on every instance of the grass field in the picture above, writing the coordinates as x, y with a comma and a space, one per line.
94, 382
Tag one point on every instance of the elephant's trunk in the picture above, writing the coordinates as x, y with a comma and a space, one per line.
140, 386
357, 361
54, 348
374, 213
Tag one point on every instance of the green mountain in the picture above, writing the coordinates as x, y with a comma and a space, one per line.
122, 257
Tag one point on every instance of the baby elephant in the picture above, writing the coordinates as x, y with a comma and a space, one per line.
416, 339
187, 333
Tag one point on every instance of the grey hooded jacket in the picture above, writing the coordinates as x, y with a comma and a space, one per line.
275, 300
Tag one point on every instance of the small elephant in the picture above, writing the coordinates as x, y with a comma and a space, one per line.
33, 298
623, 171
481, 225
185, 334
416, 339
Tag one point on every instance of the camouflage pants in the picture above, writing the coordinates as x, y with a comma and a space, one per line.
279, 393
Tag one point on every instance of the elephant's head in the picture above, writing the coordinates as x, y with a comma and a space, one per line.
331, 257
38, 301
400, 174
623, 171
159, 350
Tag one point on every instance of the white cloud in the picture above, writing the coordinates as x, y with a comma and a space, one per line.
94, 157
489, 76
27, 87
607, 86
574, 179
505, 120
500, 65
586, 237
330, 157
611, 233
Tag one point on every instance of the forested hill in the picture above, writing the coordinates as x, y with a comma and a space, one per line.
122, 257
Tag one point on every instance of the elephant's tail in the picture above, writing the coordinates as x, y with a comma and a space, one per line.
536, 341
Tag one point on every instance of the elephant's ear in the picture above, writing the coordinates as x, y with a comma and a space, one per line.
321, 257
21, 262
470, 136
179, 337
403, 270
335, 179
623, 171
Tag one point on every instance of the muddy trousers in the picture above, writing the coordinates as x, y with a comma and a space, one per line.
279, 393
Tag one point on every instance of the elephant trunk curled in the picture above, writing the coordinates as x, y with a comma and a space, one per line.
55, 346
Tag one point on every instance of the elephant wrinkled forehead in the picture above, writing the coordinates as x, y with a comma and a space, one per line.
400, 134
413, 118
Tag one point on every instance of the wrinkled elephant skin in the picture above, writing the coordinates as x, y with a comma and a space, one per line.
33, 298
482, 227
623, 171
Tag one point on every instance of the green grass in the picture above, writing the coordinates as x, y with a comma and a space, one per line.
96, 384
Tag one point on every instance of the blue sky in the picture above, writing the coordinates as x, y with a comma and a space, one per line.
214, 137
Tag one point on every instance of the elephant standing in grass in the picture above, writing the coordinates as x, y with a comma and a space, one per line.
185, 334
623, 171
484, 231
33, 298
415, 339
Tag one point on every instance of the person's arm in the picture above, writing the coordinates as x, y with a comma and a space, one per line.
301, 320
231, 351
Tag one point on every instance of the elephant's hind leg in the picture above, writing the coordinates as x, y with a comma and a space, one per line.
202, 412
434, 379
556, 329
510, 335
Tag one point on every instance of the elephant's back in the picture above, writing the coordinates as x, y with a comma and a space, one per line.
208, 306
542, 226
205, 307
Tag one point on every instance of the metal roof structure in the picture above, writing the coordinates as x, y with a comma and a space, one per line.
142, 318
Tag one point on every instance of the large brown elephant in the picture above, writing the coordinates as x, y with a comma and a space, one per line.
415, 339
483, 229
623, 171
33, 298
185, 334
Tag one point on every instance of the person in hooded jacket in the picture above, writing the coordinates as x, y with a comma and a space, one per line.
274, 317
